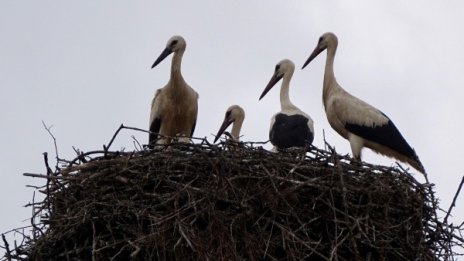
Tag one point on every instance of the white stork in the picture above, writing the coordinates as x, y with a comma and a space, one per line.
174, 107
235, 116
355, 120
290, 127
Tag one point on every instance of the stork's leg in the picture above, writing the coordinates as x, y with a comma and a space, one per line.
356, 144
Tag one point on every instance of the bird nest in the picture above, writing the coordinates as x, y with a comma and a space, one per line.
217, 202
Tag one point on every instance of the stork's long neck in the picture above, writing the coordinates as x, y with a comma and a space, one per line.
176, 74
236, 127
285, 103
330, 83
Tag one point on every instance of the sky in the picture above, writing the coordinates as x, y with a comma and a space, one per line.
83, 68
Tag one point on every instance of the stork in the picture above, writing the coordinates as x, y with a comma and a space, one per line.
175, 106
355, 120
290, 127
235, 116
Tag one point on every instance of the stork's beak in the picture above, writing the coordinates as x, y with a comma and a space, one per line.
313, 55
275, 79
167, 51
226, 123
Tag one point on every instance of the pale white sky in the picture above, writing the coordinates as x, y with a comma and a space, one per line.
84, 67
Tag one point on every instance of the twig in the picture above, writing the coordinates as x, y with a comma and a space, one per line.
16, 229
49, 177
106, 148
94, 242
49, 173
35, 228
7, 247
137, 144
49, 170
48, 129
185, 236
454, 201
136, 251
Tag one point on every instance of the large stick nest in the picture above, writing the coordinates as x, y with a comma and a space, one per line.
213, 202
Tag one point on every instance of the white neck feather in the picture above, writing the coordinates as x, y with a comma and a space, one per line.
176, 74
236, 127
330, 83
285, 103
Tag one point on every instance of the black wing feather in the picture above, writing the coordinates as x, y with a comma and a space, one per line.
290, 131
387, 135
193, 128
154, 129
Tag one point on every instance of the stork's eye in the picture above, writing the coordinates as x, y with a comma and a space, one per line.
277, 67
173, 43
320, 39
228, 113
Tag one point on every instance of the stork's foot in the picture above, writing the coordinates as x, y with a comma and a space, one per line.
355, 162
294, 151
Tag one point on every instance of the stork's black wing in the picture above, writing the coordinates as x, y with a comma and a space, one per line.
290, 131
387, 135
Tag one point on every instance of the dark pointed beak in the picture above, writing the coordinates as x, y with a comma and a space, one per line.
163, 55
275, 79
223, 127
313, 55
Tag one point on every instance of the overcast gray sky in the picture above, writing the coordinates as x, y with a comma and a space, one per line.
84, 67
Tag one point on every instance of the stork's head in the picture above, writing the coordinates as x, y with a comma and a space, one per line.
175, 44
327, 40
234, 113
284, 67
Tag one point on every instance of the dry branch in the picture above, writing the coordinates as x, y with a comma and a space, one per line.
454, 201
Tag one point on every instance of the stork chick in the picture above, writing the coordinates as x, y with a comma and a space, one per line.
290, 127
235, 116
175, 106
